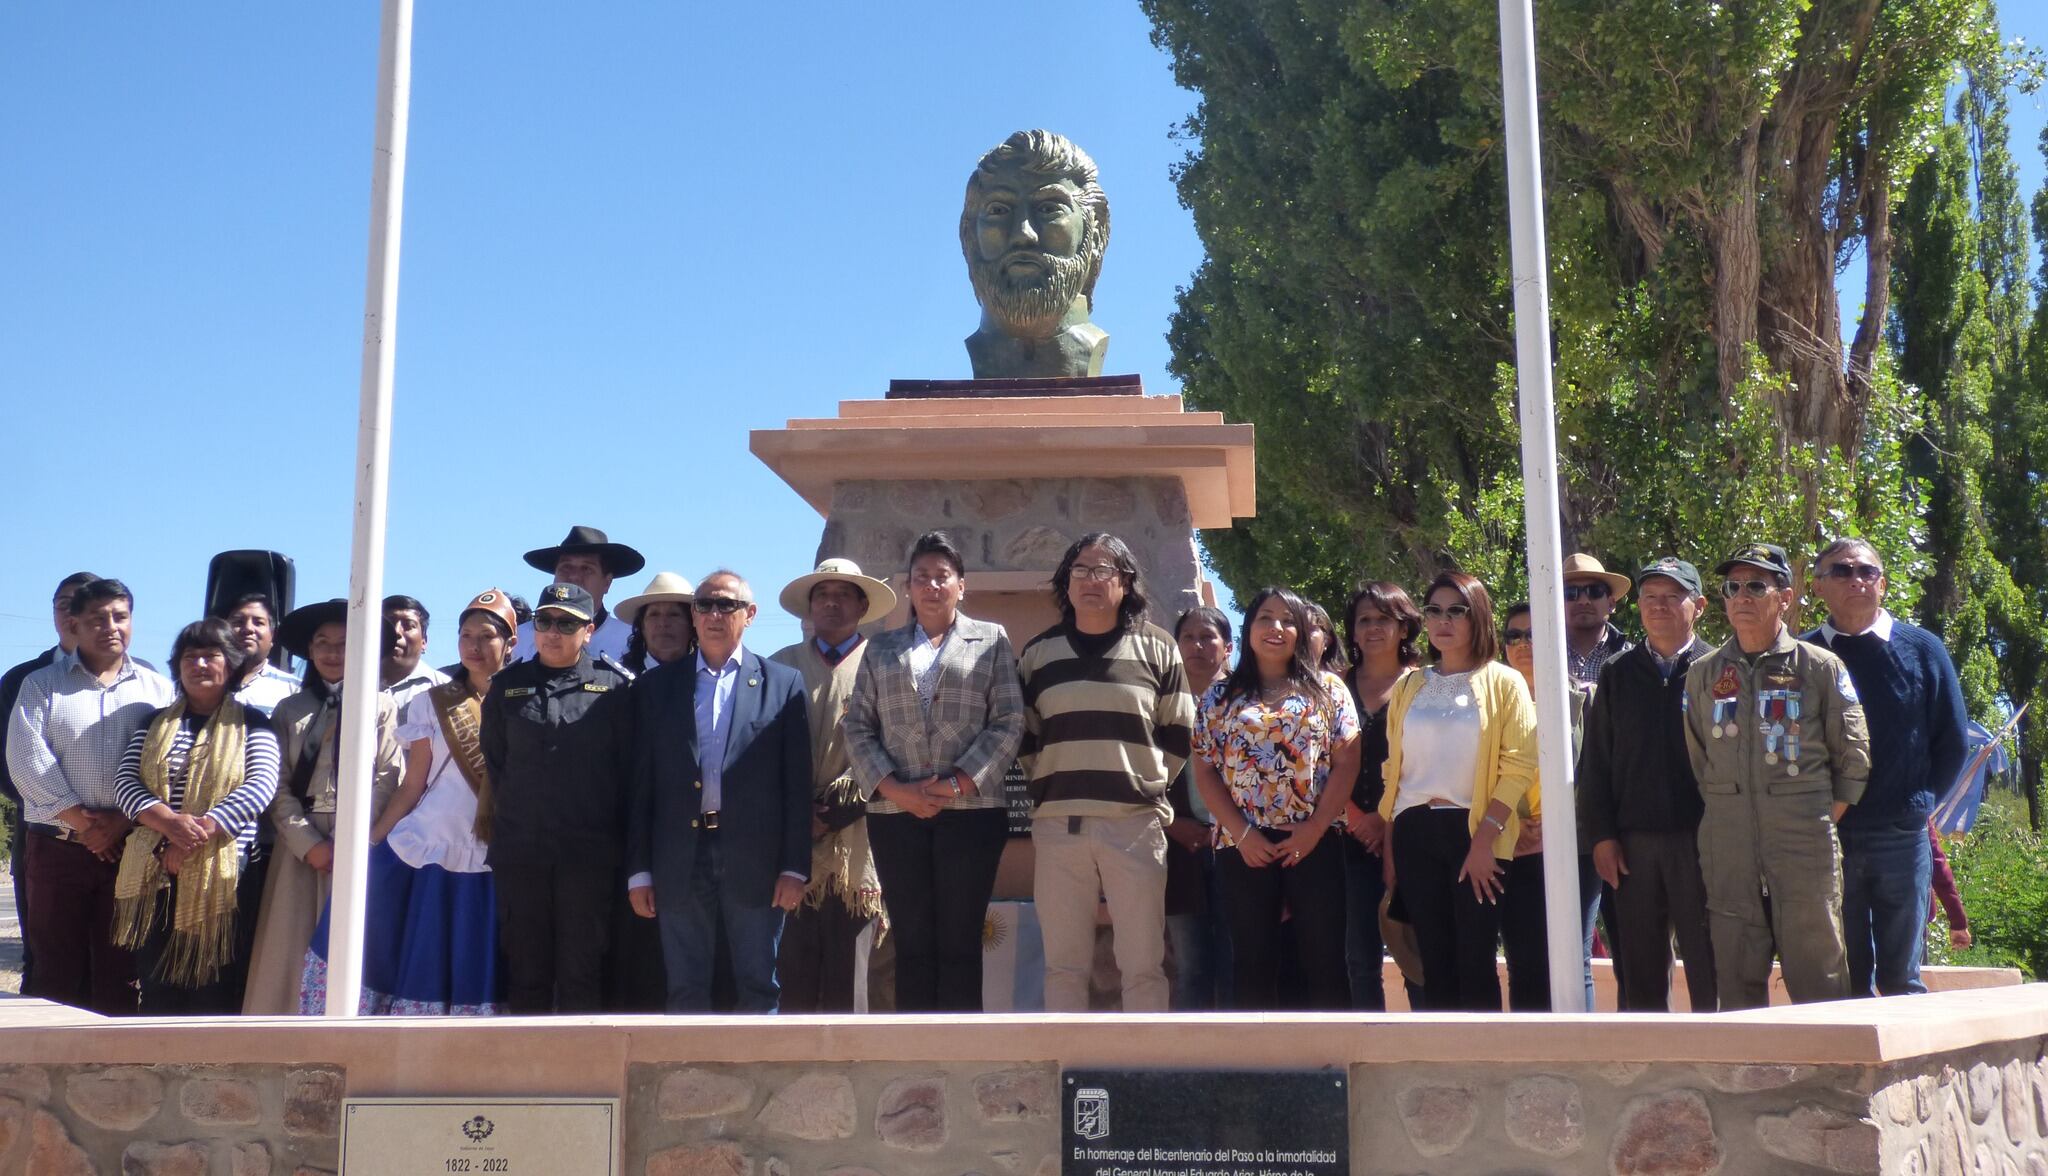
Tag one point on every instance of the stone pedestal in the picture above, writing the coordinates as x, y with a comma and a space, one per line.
1015, 470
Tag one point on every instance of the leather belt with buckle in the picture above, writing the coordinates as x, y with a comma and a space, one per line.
60, 832
710, 819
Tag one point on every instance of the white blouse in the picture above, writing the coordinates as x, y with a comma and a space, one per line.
1439, 743
441, 828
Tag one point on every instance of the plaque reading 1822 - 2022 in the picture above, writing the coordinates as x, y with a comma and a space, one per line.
1205, 1123
473, 1137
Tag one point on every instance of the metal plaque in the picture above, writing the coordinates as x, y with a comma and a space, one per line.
1205, 1123
480, 1136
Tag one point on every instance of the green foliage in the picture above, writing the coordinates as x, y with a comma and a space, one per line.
1345, 173
2001, 872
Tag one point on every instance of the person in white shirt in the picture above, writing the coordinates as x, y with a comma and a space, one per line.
400, 674
588, 559
65, 739
253, 622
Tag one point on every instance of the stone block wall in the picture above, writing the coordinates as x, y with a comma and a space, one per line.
243, 1120
1624, 1119
837, 1119
1981, 1111
1021, 525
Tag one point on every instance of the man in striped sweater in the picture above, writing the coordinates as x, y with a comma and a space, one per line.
1107, 725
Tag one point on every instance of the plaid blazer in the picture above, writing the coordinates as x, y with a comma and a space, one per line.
976, 722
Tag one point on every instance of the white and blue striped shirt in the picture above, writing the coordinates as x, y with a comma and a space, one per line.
238, 812
68, 732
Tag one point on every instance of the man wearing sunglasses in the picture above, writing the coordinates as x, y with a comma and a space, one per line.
1590, 594
1914, 703
557, 743
1776, 737
720, 841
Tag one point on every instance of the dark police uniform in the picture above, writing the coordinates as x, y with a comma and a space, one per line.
558, 744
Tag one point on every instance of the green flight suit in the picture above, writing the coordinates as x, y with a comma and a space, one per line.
1775, 740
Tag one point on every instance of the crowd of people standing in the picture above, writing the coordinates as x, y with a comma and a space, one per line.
631, 809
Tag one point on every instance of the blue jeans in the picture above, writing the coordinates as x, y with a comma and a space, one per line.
689, 939
1201, 948
1364, 952
1886, 874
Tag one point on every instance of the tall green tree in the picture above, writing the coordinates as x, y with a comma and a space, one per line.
1708, 166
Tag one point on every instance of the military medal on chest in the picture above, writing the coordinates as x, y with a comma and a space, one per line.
1727, 692
1770, 705
1791, 732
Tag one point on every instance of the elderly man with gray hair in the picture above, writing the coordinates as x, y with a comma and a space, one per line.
721, 828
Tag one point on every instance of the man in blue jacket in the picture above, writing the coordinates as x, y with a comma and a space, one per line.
1914, 704
721, 831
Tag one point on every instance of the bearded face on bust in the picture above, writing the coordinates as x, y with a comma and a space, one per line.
1033, 230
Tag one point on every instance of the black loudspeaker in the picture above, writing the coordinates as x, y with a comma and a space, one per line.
235, 574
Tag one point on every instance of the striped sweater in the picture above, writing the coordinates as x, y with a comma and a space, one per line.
238, 811
1107, 720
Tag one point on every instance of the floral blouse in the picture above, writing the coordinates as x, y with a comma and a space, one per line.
1274, 757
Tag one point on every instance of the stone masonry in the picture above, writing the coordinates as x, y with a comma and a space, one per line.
1021, 525
834, 1119
244, 1120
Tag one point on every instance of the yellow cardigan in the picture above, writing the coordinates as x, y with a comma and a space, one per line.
1507, 746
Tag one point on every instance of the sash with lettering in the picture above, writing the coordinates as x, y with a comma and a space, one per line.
460, 712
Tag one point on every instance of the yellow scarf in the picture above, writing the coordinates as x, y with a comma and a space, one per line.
203, 924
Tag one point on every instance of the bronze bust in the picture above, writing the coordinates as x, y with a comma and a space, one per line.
1033, 229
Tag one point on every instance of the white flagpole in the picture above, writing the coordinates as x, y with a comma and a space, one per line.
358, 737
1539, 500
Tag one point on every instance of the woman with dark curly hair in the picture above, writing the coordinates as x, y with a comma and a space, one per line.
1381, 625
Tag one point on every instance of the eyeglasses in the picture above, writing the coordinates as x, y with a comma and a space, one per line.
723, 605
1100, 573
556, 623
1437, 612
1514, 636
1868, 573
1597, 590
1754, 589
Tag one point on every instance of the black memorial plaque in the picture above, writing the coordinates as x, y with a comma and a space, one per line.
1205, 1123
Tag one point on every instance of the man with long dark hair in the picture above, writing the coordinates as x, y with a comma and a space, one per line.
1107, 721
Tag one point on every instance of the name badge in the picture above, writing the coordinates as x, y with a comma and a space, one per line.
596, 687
519, 692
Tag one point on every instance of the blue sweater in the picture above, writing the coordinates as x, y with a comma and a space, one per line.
1913, 703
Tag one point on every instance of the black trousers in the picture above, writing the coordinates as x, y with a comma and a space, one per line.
1455, 933
937, 876
1311, 894
221, 997
816, 965
554, 923
1525, 931
1662, 895
636, 980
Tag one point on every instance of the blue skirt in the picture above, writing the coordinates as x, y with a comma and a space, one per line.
430, 943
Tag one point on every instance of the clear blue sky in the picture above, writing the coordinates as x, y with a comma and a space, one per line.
633, 232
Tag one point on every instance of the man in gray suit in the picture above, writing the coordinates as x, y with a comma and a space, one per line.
721, 833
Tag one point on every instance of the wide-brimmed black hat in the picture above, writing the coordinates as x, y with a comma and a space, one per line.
295, 631
618, 559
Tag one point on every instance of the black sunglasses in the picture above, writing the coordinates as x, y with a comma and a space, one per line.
1853, 571
1754, 589
556, 623
1597, 590
718, 604
1514, 636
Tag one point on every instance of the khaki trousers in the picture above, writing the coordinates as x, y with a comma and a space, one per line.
1773, 870
1122, 859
